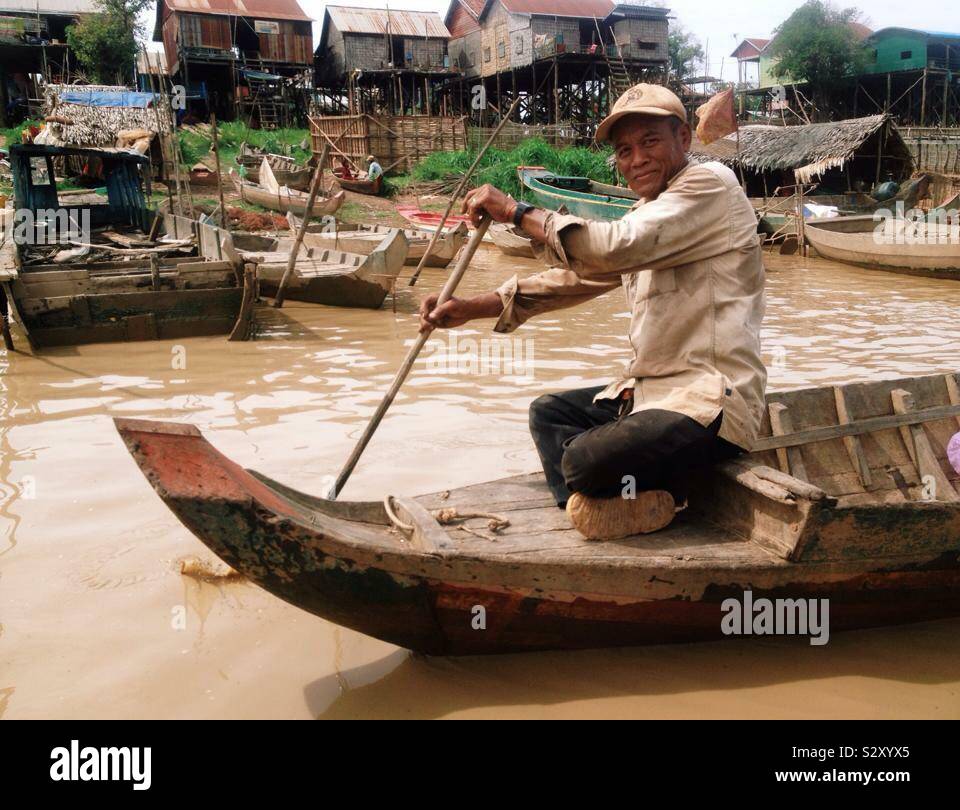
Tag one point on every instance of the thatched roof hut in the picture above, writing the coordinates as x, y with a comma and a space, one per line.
835, 153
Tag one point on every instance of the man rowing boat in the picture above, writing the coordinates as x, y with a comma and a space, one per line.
688, 256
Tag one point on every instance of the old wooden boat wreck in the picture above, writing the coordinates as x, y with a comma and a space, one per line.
326, 276
88, 269
847, 496
271, 194
511, 241
580, 196
930, 249
285, 169
363, 239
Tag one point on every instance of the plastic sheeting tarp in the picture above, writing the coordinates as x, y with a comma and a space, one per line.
106, 98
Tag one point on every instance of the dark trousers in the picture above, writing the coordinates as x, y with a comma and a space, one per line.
589, 447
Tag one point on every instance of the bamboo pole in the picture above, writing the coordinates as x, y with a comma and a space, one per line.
216, 152
308, 210
459, 190
448, 289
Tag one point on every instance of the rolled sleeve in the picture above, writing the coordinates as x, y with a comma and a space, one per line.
556, 288
509, 319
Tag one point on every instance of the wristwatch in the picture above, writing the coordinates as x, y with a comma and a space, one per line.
520, 210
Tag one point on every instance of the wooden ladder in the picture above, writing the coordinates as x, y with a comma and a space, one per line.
620, 79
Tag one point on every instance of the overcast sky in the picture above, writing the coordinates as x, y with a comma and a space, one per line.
721, 24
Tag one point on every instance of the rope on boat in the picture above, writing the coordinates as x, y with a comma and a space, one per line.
448, 516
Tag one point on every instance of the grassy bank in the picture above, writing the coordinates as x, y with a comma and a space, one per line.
196, 141
499, 167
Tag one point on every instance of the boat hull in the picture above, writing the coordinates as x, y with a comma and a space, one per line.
861, 249
338, 278
364, 240
509, 243
447, 589
581, 204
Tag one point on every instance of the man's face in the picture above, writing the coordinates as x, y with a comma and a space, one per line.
650, 150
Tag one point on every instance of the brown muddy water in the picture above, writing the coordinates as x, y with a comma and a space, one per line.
97, 621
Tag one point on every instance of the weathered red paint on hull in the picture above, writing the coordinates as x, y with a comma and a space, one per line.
355, 581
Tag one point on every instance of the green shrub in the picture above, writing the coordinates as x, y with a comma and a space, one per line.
499, 168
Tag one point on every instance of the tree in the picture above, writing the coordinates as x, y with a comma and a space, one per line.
686, 53
105, 43
818, 46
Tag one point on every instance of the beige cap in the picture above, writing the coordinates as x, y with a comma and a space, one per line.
370, 159
646, 99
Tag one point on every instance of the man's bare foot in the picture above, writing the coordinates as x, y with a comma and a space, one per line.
613, 518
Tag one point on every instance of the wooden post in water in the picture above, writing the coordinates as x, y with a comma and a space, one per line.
216, 152
5, 320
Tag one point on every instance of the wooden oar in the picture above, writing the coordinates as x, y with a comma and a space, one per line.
445, 295
291, 262
459, 189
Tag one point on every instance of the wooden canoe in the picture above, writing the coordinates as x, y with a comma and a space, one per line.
848, 496
333, 277
363, 239
126, 298
856, 240
578, 195
285, 199
360, 186
284, 168
510, 241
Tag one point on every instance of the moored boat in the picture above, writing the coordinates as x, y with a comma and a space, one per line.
360, 185
282, 198
847, 495
359, 238
429, 220
127, 273
511, 241
578, 195
333, 277
285, 169
889, 244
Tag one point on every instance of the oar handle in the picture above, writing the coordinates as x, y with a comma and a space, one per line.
445, 295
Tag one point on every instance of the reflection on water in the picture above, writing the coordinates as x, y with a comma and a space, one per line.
97, 621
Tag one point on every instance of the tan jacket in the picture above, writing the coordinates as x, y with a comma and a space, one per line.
690, 263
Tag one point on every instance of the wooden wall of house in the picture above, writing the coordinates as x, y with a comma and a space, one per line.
551, 27
293, 44
642, 39
424, 51
205, 31
364, 52
171, 28
521, 40
461, 22
465, 53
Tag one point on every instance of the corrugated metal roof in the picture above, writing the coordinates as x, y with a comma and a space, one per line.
932, 34
353, 20
50, 6
560, 8
261, 9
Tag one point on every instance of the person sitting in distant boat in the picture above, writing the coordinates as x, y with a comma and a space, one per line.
373, 168
344, 172
688, 257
